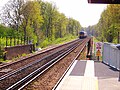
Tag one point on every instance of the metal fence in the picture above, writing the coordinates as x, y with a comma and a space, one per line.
13, 41
111, 55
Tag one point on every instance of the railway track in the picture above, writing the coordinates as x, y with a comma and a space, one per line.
48, 79
4, 69
16, 78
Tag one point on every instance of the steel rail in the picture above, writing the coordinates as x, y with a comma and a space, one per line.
68, 68
10, 64
21, 69
33, 63
44, 68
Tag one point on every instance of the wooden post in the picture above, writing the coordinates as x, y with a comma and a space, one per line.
14, 41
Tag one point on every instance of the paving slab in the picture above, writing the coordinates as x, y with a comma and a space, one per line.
89, 70
79, 83
79, 68
107, 77
90, 75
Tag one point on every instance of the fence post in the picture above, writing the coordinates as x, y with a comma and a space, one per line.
14, 41
10, 41
18, 41
6, 41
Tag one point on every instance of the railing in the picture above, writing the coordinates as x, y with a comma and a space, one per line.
13, 41
111, 55
8, 44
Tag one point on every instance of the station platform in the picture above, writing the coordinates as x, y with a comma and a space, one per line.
90, 75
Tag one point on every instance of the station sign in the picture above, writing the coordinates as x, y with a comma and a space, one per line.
99, 49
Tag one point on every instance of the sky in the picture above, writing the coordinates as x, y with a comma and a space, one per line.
86, 14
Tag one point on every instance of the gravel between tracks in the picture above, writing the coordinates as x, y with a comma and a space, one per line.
29, 59
48, 80
12, 78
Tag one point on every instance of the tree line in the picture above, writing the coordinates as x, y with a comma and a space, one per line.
37, 20
108, 27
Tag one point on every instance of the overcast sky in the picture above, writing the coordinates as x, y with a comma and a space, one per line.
86, 14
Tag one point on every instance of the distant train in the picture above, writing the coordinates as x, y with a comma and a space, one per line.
82, 34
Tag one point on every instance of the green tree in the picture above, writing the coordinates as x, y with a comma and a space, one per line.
11, 13
73, 26
49, 16
109, 23
32, 20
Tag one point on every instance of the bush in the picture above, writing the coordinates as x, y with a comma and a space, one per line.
44, 43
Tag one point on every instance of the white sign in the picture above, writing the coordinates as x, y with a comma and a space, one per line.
98, 48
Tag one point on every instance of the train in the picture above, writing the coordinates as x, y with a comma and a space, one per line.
82, 34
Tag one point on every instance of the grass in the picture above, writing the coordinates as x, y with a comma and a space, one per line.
4, 61
14, 59
63, 40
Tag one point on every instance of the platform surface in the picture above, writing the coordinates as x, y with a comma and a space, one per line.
90, 75
107, 77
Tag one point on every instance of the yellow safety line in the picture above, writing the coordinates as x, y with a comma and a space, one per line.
97, 84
